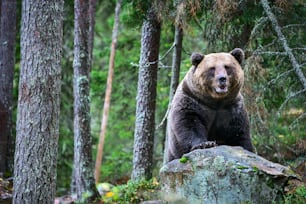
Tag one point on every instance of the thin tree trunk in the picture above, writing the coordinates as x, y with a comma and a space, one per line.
146, 97
284, 42
175, 74
83, 177
107, 92
8, 10
92, 11
176, 61
38, 102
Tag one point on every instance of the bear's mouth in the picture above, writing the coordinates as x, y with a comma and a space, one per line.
221, 89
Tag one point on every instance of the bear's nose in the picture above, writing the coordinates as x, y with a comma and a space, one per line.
222, 79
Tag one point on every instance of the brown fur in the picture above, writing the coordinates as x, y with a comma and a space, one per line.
208, 105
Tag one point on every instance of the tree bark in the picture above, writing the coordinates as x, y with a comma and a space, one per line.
83, 177
38, 102
91, 32
176, 60
146, 97
8, 10
284, 42
108, 92
175, 74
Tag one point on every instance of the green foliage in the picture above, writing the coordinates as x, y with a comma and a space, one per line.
184, 159
255, 169
277, 121
241, 167
64, 162
298, 196
133, 192
85, 196
117, 164
118, 148
273, 130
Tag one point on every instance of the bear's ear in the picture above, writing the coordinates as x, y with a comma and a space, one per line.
196, 58
238, 54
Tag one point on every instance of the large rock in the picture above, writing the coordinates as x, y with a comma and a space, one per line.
223, 174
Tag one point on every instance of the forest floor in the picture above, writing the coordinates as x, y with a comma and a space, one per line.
6, 189
289, 155
293, 156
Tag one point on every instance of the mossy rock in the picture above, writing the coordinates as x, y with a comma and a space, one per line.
224, 174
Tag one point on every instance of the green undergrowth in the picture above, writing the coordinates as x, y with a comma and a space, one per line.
132, 192
297, 196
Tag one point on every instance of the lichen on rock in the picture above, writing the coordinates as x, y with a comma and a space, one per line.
224, 174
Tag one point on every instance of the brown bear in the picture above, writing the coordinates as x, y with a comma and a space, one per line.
208, 108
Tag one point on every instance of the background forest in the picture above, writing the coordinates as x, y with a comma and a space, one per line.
275, 94
277, 115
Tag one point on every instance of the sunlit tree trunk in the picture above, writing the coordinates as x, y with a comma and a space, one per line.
108, 92
83, 175
38, 102
146, 97
8, 10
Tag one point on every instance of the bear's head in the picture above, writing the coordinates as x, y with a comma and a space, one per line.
217, 75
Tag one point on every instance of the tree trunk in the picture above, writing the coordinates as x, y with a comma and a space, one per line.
83, 177
175, 74
91, 32
146, 97
108, 92
176, 60
8, 11
38, 102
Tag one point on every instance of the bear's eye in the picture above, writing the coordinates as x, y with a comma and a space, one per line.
228, 69
211, 71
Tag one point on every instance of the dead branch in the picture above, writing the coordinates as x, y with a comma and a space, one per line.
156, 61
299, 48
270, 53
289, 97
273, 81
164, 118
261, 22
293, 25
284, 43
296, 121
163, 57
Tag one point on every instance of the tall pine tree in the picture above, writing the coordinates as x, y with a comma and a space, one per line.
146, 96
38, 102
7, 62
83, 176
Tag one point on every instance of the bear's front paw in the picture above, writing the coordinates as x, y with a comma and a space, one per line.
204, 145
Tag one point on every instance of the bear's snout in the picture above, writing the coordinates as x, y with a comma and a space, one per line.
222, 80
221, 84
